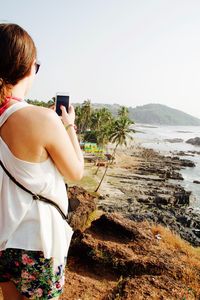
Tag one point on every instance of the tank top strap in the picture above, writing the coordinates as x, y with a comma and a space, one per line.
10, 110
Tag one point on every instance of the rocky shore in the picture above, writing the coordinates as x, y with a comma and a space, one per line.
150, 190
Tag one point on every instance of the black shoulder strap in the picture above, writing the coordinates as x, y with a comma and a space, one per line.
35, 196
14, 180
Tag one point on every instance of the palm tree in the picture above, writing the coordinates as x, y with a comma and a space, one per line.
79, 118
100, 117
120, 133
83, 116
101, 122
86, 111
123, 112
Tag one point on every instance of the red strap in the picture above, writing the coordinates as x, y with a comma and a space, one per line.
14, 98
4, 105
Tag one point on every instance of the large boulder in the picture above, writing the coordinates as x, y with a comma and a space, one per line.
194, 141
83, 205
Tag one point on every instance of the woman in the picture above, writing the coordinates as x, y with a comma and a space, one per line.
37, 149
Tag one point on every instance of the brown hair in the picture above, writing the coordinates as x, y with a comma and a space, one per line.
17, 53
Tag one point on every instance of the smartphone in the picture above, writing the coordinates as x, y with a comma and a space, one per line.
62, 99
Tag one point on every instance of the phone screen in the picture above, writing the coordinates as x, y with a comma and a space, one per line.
62, 100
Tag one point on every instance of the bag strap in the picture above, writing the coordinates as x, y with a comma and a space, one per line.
35, 196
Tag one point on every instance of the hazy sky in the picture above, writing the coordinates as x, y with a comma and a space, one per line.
130, 52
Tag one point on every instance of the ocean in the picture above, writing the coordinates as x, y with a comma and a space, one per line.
154, 137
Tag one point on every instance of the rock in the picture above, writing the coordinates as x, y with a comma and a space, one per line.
101, 164
187, 163
182, 153
194, 152
173, 175
161, 200
194, 141
131, 260
84, 205
175, 140
184, 220
155, 198
101, 197
183, 162
196, 181
182, 198
196, 232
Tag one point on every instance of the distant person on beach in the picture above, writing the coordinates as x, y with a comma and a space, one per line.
37, 149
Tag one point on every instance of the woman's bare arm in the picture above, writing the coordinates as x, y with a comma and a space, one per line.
63, 147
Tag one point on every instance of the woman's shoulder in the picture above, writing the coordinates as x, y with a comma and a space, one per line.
39, 120
40, 114
40, 109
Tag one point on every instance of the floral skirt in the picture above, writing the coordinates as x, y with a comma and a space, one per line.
32, 274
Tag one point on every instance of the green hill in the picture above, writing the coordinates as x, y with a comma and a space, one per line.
162, 115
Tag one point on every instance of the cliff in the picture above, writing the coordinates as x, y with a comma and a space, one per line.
116, 258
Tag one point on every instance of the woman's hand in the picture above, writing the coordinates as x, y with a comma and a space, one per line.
68, 118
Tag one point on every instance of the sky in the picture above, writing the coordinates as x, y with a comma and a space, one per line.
129, 52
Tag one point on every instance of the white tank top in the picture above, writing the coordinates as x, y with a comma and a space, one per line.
26, 223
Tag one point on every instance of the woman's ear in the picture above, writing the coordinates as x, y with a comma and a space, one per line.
33, 68
30, 77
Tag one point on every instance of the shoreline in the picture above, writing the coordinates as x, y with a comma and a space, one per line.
145, 185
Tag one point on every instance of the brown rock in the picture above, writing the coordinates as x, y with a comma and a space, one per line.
196, 181
83, 205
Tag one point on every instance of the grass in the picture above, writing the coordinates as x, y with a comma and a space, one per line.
93, 216
186, 257
89, 180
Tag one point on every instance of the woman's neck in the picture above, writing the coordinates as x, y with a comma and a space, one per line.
19, 90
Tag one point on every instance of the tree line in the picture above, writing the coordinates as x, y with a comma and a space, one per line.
100, 126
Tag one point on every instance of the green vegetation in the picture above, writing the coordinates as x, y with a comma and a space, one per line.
99, 125
94, 125
88, 182
37, 102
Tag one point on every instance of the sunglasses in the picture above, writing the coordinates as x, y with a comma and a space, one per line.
37, 66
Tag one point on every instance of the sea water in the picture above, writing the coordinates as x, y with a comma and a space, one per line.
154, 137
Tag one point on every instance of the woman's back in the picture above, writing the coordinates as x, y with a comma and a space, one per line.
21, 215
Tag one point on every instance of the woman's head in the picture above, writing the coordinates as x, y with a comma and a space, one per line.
17, 56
